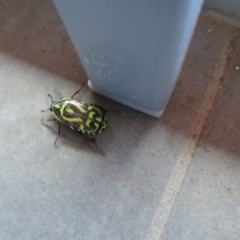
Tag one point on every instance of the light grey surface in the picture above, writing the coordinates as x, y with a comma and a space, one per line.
73, 192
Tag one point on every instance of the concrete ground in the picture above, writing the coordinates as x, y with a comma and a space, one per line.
174, 178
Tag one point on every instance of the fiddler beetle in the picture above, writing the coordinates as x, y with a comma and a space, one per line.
85, 118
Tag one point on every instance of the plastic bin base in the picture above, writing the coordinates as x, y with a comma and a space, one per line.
156, 114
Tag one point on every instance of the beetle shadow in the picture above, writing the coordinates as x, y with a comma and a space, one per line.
71, 138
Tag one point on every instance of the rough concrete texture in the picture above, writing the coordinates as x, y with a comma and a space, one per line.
72, 191
208, 205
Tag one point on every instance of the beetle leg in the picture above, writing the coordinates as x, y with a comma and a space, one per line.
93, 140
113, 111
50, 119
103, 109
59, 130
77, 91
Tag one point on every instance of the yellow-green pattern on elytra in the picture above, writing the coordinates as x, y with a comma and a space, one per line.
79, 116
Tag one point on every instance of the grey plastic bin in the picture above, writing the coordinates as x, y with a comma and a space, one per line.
132, 50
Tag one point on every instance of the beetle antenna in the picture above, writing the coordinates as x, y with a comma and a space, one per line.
50, 97
45, 110
49, 109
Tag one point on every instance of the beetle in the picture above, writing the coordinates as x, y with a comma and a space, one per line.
85, 118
